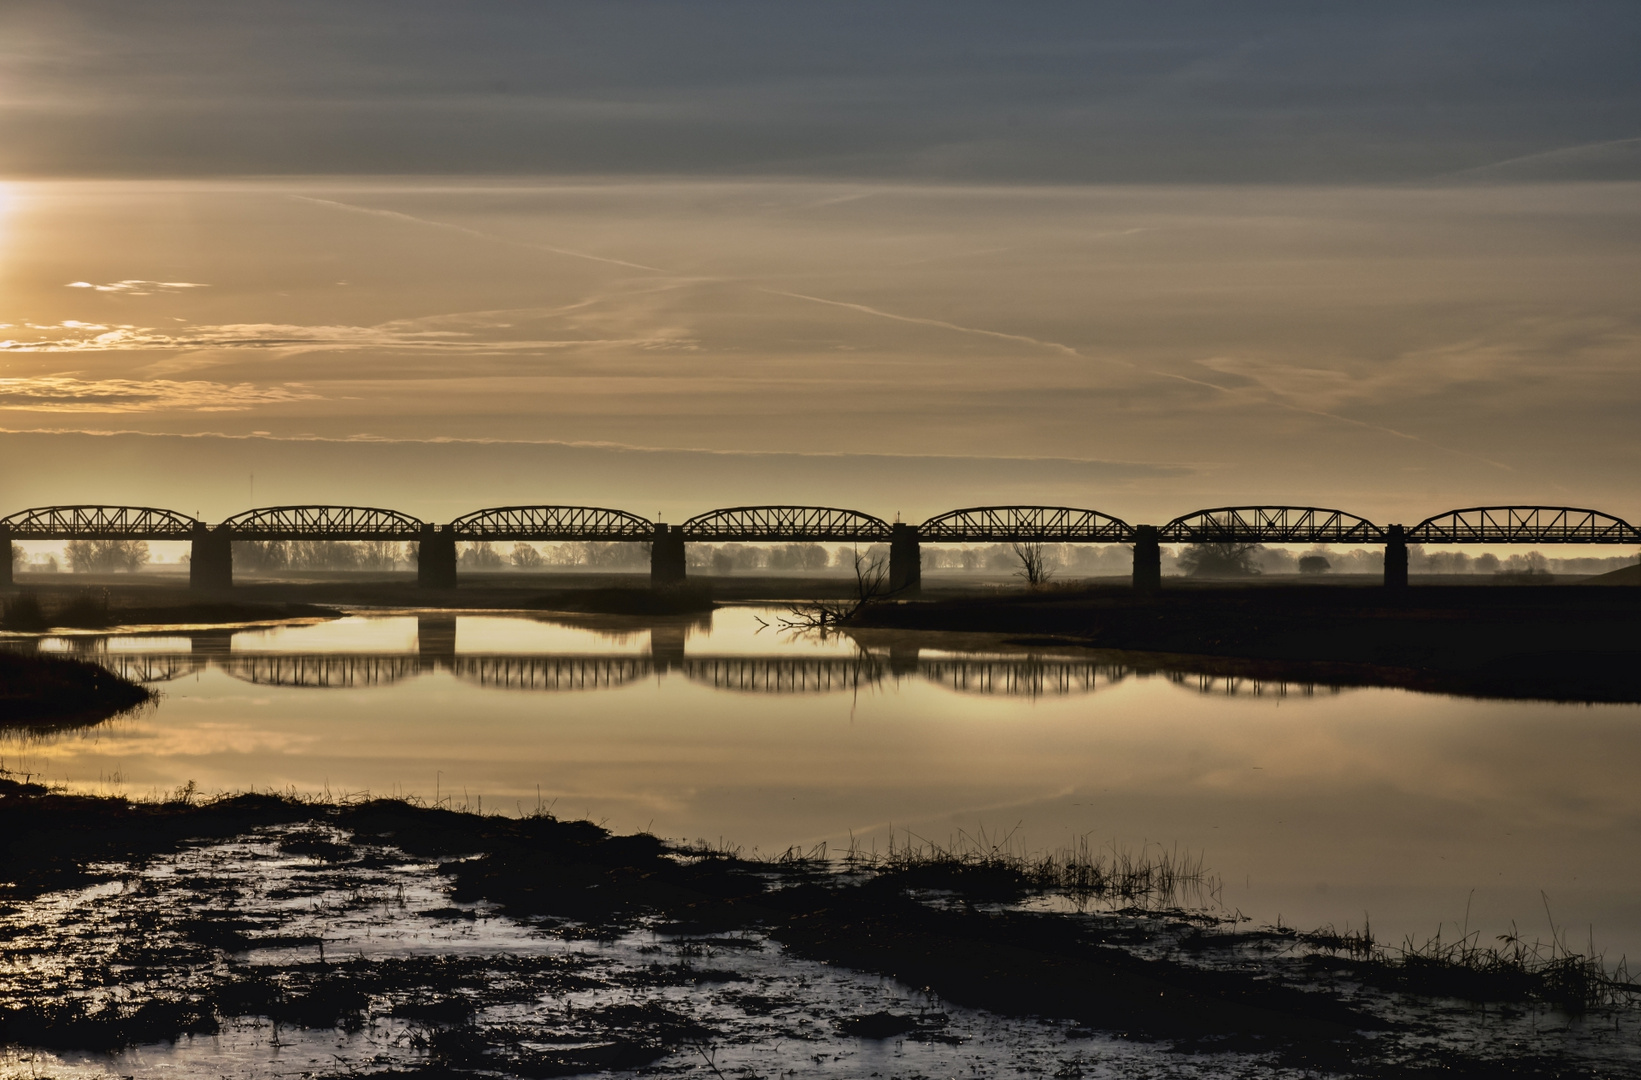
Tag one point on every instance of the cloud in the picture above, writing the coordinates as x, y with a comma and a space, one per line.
138, 287
1079, 92
62, 393
94, 337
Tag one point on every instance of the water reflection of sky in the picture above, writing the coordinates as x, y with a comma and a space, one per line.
1316, 807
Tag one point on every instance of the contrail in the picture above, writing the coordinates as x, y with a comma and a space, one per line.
917, 320
397, 216
1070, 351
1558, 152
941, 323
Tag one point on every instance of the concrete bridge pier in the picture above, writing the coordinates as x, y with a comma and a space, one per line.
5, 542
210, 559
436, 558
1396, 557
667, 556
905, 559
435, 641
667, 645
207, 645
1147, 559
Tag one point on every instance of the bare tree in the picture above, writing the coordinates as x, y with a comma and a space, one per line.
1221, 560
525, 557
1034, 562
380, 555
479, 555
323, 555
871, 583
90, 555
261, 555
17, 555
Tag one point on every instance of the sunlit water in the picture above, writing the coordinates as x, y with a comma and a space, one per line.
1421, 813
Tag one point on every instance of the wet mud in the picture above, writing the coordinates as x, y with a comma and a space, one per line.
265, 936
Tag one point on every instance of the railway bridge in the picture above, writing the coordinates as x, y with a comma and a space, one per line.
211, 546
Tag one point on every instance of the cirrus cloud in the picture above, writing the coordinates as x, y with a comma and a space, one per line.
96, 337
63, 393
137, 286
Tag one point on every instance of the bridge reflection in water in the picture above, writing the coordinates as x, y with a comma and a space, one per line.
1021, 676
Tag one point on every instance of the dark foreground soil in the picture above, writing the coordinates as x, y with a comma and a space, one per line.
1560, 643
466, 945
39, 692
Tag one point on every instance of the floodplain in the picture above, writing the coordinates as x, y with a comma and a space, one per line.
356, 841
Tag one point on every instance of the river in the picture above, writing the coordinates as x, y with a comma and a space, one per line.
1313, 806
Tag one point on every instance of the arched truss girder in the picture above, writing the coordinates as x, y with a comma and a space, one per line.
552, 523
783, 675
1524, 525
1006, 524
99, 523
1271, 525
553, 672
322, 671
785, 523
322, 523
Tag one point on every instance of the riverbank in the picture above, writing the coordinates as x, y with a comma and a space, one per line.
263, 934
50, 692
1549, 642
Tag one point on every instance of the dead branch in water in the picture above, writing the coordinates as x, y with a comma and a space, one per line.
871, 584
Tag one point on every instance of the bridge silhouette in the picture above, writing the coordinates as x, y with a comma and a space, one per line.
211, 546
1015, 676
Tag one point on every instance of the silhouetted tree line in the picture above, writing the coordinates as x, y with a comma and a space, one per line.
88, 556
272, 556
730, 558
588, 554
1199, 560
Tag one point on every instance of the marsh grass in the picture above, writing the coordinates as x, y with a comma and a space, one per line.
983, 867
1511, 969
23, 612
87, 610
49, 692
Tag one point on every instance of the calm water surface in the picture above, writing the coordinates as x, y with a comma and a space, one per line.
1315, 806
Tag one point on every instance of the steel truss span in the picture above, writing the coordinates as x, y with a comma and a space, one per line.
789, 523
1004, 524
552, 523
1271, 525
323, 671
553, 672
322, 523
1524, 525
99, 523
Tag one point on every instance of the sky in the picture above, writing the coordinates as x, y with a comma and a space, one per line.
897, 257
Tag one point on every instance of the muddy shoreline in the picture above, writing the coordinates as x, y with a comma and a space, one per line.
679, 953
45, 693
